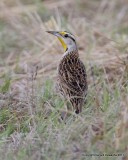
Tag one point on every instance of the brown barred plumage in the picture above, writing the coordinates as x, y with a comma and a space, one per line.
72, 80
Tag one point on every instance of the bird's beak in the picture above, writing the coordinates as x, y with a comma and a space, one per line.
55, 33
60, 37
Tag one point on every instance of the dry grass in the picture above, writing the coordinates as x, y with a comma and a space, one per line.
29, 116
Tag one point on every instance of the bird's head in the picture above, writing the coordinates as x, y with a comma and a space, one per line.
67, 40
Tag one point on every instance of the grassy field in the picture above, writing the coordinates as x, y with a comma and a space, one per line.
30, 124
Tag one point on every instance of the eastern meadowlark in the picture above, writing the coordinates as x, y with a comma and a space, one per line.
72, 78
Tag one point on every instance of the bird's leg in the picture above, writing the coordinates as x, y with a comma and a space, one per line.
67, 109
64, 113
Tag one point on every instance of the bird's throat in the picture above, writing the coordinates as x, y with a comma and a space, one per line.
63, 43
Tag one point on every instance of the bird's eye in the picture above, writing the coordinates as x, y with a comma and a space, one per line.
66, 35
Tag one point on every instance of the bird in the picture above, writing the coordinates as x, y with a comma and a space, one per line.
71, 73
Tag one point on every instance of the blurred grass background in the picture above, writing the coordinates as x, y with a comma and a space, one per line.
30, 126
